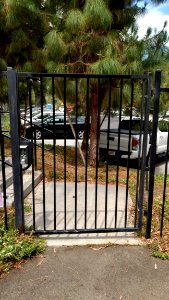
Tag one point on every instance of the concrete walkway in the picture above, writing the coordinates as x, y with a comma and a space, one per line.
81, 239
92, 273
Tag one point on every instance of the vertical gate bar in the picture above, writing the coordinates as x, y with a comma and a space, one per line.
164, 189
87, 143
107, 164
43, 154
138, 169
129, 145
65, 198
3, 174
144, 152
33, 132
153, 152
30, 83
29, 86
76, 105
118, 150
15, 138
4, 181
97, 160
54, 151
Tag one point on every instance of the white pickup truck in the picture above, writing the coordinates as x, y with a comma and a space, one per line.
127, 140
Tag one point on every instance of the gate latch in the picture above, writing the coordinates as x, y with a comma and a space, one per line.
25, 154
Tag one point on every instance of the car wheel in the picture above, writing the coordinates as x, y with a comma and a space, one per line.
38, 134
80, 134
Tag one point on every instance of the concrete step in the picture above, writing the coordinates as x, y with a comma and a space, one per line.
8, 176
7, 160
27, 184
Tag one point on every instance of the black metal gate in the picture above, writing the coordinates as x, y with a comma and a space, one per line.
156, 139
83, 189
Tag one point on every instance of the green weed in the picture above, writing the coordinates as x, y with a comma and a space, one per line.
160, 178
161, 255
15, 247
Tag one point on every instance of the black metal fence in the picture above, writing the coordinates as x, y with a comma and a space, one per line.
91, 181
158, 191
5, 162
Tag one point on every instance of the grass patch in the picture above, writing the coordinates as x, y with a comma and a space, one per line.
5, 121
158, 244
16, 248
27, 207
70, 161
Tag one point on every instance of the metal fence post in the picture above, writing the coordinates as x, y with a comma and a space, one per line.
144, 152
153, 152
15, 139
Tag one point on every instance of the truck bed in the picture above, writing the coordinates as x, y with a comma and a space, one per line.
116, 137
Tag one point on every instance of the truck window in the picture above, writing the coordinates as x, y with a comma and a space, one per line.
135, 125
131, 125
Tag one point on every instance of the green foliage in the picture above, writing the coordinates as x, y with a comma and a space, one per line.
98, 45
161, 255
3, 65
106, 66
15, 247
53, 67
75, 22
135, 67
97, 14
3, 90
78, 37
5, 122
27, 67
160, 178
131, 53
55, 45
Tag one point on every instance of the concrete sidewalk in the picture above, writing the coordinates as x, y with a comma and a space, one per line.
82, 239
92, 273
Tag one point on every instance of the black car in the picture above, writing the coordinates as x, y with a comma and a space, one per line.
58, 127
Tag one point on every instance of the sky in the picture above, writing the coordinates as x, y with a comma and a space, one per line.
155, 18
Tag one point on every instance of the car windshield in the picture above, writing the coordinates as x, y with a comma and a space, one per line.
61, 119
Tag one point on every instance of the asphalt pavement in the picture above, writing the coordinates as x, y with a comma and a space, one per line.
92, 273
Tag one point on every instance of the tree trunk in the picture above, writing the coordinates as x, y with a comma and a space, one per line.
85, 141
38, 99
94, 125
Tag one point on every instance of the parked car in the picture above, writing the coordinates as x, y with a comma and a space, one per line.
61, 108
120, 143
58, 127
37, 116
25, 119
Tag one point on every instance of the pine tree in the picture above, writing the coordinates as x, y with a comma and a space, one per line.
92, 37
78, 36
23, 26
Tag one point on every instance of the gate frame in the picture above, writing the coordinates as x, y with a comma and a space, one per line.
158, 90
144, 152
153, 152
15, 141
17, 169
